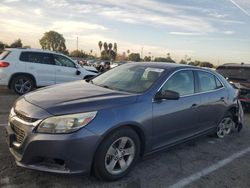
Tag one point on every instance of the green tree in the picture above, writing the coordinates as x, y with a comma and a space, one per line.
100, 45
2, 46
206, 64
78, 53
115, 48
195, 63
105, 46
134, 57
128, 52
147, 58
17, 44
53, 41
163, 59
109, 53
183, 62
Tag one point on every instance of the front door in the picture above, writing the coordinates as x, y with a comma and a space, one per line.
66, 70
175, 120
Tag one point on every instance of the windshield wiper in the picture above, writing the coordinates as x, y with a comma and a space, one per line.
105, 86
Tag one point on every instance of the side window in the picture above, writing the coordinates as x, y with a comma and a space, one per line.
63, 61
218, 83
181, 82
36, 57
207, 81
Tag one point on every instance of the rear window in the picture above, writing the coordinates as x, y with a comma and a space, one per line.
4, 54
37, 57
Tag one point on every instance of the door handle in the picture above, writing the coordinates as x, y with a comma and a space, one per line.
194, 105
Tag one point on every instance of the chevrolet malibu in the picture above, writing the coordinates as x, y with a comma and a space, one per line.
106, 124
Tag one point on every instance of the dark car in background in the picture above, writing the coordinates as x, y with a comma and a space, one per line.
238, 74
106, 124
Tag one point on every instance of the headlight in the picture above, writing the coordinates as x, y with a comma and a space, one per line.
12, 112
66, 123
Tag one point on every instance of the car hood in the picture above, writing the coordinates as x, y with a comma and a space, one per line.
76, 97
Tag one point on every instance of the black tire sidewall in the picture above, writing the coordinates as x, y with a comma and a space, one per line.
16, 78
99, 161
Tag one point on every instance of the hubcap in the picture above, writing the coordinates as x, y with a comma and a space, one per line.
23, 86
120, 155
225, 127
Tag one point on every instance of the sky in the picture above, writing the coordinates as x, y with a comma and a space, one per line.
216, 31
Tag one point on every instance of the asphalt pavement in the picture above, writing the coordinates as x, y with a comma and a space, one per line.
202, 163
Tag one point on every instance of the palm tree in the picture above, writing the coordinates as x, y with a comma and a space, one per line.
105, 46
115, 47
110, 46
100, 45
128, 51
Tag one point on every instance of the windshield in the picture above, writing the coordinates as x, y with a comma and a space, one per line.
129, 78
4, 54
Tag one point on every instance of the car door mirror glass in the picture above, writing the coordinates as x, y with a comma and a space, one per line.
169, 95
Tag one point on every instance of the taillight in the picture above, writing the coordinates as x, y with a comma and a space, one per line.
4, 64
244, 100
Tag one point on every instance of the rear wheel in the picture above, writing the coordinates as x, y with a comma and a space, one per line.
22, 84
117, 154
225, 126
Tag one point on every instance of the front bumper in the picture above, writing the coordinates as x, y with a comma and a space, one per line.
62, 153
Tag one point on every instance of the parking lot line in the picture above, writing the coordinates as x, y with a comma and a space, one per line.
3, 125
188, 180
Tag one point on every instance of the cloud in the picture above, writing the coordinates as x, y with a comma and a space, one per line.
186, 33
228, 32
75, 26
190, 23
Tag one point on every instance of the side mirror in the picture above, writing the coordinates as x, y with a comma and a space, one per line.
170, 95
78, 72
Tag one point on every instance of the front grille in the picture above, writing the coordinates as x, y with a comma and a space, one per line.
19, 133
25, 118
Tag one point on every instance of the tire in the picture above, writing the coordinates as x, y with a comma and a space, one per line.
225, 126
22, 84
117, 154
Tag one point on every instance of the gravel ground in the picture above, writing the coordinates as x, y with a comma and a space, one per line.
159, 170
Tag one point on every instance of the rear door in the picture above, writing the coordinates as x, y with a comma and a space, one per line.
65, 69
41, 66
213, 99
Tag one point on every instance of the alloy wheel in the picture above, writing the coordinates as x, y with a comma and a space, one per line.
120, 155
23, 86
225, 127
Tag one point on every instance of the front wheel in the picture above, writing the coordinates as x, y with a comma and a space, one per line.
117, 154
22, 84
225, 126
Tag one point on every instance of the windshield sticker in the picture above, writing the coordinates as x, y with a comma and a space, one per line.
154, 69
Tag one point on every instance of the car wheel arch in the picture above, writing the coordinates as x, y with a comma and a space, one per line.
20, 74
233, 111
134, 127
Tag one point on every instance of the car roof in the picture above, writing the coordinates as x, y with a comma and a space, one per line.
234, 65
31, 50
165, 65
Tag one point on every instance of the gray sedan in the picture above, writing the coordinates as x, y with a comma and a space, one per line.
106, 124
